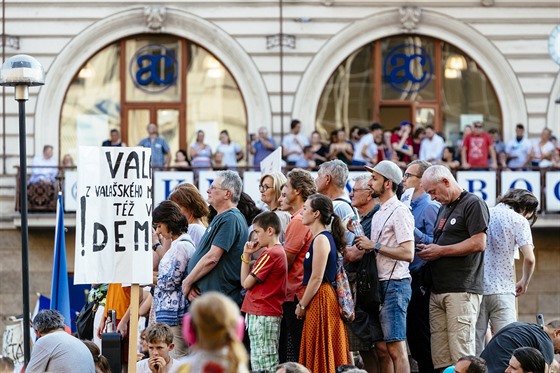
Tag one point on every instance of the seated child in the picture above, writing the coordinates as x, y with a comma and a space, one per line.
160, 342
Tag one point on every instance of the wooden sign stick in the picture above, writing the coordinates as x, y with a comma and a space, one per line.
133, 327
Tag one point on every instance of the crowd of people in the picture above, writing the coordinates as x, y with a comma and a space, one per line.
238, 289
475, 149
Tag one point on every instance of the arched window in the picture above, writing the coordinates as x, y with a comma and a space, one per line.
408, 77
146, 79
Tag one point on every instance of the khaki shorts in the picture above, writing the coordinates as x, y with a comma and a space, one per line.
453, 319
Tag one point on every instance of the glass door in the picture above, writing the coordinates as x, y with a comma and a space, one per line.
167, 120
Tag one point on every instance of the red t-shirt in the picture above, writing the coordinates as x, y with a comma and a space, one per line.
297, 239
477, 149
266, 297
395, 139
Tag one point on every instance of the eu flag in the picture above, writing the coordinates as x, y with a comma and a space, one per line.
60, 295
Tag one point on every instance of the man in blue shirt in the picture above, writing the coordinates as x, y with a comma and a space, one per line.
160, 149
425, 213
262, 147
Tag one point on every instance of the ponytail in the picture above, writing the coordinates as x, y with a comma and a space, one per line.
236, 356
338, 233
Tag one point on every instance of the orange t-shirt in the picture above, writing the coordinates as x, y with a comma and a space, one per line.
118, 299
296, 242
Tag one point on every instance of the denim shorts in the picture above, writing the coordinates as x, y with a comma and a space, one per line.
390, 325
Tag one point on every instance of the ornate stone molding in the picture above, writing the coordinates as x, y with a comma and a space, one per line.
155, 17
409, 18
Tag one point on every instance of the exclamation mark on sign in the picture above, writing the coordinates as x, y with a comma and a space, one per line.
83, 221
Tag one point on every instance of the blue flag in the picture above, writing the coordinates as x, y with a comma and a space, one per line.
60, 295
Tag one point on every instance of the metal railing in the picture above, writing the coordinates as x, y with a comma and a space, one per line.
42, 194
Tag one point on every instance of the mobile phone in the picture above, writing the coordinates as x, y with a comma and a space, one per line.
540, 320
417, 249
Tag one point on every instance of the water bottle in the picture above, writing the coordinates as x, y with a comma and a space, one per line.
110, 325
358, 230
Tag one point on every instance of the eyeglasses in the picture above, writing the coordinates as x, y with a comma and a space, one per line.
355, 189
264, 188
212, 187
408, 175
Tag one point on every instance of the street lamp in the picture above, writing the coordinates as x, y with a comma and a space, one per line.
22, 71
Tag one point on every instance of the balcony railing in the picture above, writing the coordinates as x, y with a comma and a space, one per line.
544, 183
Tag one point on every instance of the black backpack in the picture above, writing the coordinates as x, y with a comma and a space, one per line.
86, 317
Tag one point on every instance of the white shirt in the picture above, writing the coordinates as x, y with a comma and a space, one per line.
391, 229
229, 152
507, 231
290, 144
365, 141
47, 174
203, 361
538, 150
431, 149
520, 150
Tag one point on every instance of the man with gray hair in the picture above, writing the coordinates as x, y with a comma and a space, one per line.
455, 263
216, 262
331, 182
262, 147
56, 350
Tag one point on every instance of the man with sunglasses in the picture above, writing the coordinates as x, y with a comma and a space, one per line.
425, 213
476, 148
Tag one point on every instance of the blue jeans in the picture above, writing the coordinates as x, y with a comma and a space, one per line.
392, 315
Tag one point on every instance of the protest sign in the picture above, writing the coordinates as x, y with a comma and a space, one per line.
114, 216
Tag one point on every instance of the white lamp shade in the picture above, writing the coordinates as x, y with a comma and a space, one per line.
22, 69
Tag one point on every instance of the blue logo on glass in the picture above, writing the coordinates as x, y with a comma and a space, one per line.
153, 68
406, 64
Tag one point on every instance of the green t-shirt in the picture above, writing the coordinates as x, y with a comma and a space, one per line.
228, 231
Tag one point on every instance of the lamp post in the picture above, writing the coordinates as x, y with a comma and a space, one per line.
22, 71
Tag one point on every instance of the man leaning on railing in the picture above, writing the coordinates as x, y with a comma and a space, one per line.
45, 166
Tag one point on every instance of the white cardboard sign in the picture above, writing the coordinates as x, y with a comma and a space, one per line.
114, 216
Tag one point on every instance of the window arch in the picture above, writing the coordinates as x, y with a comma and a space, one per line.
145, 79
473, 43
408, 77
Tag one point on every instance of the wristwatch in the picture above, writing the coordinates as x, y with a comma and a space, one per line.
300, 306
155, 246
377, 247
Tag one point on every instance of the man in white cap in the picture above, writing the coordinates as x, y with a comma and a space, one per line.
392, 239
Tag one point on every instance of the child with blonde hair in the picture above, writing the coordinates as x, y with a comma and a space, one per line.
214, 328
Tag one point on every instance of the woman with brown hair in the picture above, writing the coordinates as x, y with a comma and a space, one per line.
194, 207
324, 342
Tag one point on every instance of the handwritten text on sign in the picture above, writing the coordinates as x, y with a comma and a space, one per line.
114, 216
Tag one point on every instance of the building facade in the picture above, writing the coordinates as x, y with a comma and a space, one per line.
241, 65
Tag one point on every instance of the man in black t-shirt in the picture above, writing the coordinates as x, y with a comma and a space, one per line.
519, 334
455, 264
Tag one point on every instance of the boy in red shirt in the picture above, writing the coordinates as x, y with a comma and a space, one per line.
265, 282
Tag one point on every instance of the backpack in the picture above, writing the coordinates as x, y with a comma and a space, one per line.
86, 317
343, 292
368, 295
